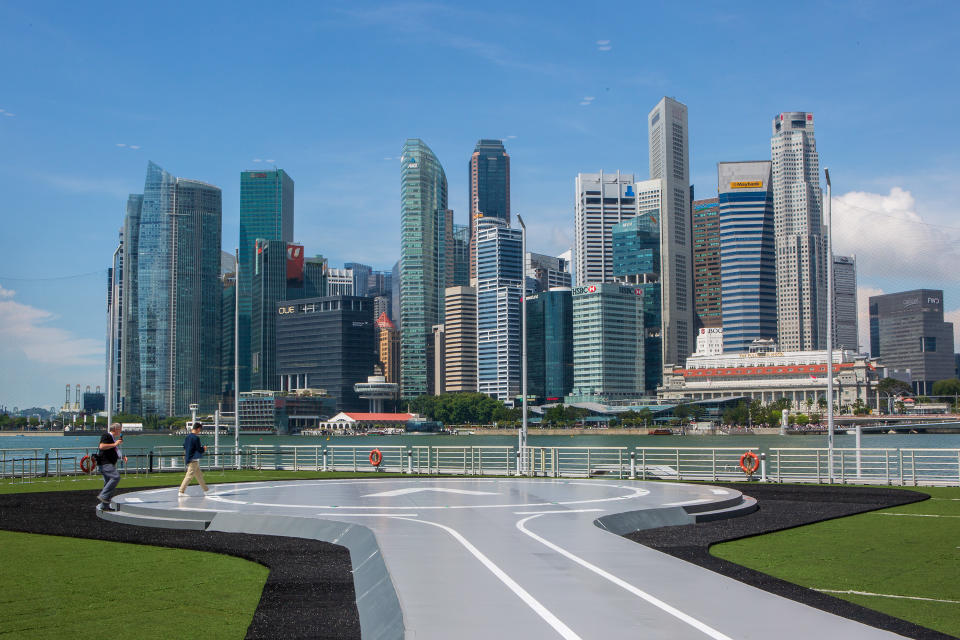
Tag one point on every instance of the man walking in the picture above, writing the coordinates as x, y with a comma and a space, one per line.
110, 454
193, 451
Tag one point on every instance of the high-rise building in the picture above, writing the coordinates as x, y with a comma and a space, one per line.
608, 342
461, 255
706, 263
907, 331
548, 272
439, 357
179, 294
489, 175
845, 326
748, 266
499, 289
115, 328
129, 333
389, 351
340, 282
395, 280
798, 234
461, 339
268, 287
361, 278
670, 162
424, 266
228, 308
266, 212
326, 343
603, 200
550, 344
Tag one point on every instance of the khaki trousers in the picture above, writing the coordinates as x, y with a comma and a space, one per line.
193, 471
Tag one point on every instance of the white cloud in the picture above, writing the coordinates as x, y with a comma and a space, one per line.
891, 240
604, 48
23, 329
954, 317
134, 146
120, 144
511, 137
585, 103
257, 160
603, 42
8, 114
270, 160
589, 98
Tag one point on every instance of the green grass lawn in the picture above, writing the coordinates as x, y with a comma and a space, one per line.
901, 551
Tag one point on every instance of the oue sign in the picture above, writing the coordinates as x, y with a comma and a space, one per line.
285, 310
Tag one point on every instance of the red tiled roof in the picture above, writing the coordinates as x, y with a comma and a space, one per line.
385, 417
384, 322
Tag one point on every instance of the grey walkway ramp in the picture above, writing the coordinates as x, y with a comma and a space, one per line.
441, 558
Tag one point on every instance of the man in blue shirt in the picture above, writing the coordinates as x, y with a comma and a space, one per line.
193, 451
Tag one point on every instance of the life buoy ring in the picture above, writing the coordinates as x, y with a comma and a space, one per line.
376, 457
754, 463
87, 464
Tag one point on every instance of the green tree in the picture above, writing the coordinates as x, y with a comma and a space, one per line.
948, 387
645, 415
889, 388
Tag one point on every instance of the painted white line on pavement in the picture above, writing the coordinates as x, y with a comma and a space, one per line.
564, 631
885, 595
917, 515
686, 502
368, 515
535, 513
660, 604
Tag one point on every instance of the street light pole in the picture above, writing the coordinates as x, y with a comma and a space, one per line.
523, 339
828, 221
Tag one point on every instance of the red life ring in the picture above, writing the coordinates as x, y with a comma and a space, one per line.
376, 457
754, 462
87, 464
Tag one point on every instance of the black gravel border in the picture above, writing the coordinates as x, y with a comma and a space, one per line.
785, 507
309, 591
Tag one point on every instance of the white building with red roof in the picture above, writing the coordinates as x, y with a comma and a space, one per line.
353, 422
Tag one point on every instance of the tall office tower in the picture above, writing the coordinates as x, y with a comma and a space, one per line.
748, 264
228, 308
907, 332
266, 211
179, 293
706, 263
547, 272
395, 280
381, 304
461, 255
499, 288
461, 336
115, 327
389, 341
361, 277
379, 283
636, 261
269, 286
340, 282
489, 190
845, 330
423, 263
608, 342
670, 162
439, 355
326, 343
550, 344
798, 234
603, 200
129, 332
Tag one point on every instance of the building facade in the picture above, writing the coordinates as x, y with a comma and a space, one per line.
550, 345
115, 329
129, 318
670, 163
268, 287
489, 179
461, 340
798, 234
423, 263
845, 325
748, 263
907, 332
706, 263
547, 272
340, 282
389, 348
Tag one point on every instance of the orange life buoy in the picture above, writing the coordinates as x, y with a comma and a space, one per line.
754, 462
87, 464
376, 457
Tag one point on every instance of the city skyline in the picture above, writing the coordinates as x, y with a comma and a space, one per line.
74, 152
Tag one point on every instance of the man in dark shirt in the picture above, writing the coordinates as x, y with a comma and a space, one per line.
192, 452
110, 454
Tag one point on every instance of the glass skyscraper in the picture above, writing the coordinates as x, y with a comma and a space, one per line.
489, 179
178, 294
426, 231
129, 335
266, 212
550, 344
706, 262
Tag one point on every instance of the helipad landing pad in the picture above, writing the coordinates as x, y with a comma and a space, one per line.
447, 558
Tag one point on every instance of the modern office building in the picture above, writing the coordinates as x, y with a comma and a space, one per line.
129, 332
748, 265
178, 294
439, 356
389, 348
845, 325
425, 236
114, 368
603, 200
489, 179
326, 343
340, 282
548, 272
670, 163
228, 307
608, 342
461, 255
395, 287
361, 279
499, 290
266, 212
268, 287
706, 263
798, 234
460, 324
907, 331
550, 345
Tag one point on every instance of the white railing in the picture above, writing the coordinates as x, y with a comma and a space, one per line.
903, 467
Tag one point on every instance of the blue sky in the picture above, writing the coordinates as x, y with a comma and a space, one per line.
90, 92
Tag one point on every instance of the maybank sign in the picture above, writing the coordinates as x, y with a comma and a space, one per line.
747, 184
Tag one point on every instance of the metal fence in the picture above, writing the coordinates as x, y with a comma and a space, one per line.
903, 467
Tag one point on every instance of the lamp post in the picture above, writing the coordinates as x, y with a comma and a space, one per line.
828, 221
523, 339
